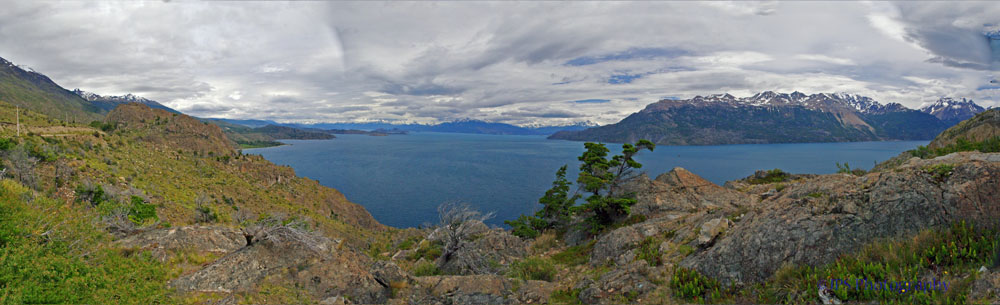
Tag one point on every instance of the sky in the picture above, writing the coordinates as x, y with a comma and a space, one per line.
522, 63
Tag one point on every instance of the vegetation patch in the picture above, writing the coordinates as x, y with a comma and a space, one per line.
576, 255
533, 269
961, 144
771, 176
692, 286
949, 256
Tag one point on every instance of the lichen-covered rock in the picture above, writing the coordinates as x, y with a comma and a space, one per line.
986, 288
629, 282
815, 221
681, 190
291, 256
467, 289
488, 252
163, 244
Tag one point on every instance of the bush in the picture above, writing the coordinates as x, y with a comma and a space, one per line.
846, 169
426, 269
533, 269
576, 255
771, 176
649, 251
690, 285
140, 211
72, 262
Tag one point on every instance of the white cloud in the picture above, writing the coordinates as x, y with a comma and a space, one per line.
498, 61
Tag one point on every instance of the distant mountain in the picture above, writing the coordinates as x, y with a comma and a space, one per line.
265, 136
459, 126
32, 90
766, 117
247, 123
109, 102
952, 110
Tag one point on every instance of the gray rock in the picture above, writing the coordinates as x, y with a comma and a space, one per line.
799, 227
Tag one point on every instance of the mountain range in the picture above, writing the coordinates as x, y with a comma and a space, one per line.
770, 117
109, 102
458, 126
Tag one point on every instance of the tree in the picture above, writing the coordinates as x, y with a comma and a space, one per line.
457, 225
603, 179
557, 208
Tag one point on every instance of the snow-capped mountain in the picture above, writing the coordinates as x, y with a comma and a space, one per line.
953, 110
111, 101
766, 117
819, 101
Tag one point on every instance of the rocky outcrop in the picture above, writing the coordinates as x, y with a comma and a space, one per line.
171, 131
486, 251
633, 280
681, 190
163, 244
311, 262
815, 221
986, 288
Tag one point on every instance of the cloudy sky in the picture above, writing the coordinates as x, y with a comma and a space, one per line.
519, 63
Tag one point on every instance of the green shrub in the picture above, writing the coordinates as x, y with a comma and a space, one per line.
649, 251
846, 169
428, 251
771, 176
940, 172
568, 297
426, 269
576, 255
7, 144
533, 269
690, 285
74, 262
139, 212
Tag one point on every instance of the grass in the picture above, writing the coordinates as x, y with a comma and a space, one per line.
53, 253
568, 297
576, 255
949, 255
691, 286
426, 269
961, 144
533, 268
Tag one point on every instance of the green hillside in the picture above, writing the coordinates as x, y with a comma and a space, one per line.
37, 92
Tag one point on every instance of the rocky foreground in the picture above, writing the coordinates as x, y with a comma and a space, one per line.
739, 236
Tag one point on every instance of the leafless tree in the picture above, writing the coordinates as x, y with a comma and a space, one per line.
22, 166
453, 229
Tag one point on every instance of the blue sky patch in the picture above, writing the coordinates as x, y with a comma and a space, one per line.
630, 54
623, 78
592, 101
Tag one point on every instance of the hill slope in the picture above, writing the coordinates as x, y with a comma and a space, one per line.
32, 90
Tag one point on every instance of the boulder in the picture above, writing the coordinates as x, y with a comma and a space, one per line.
815, 221
165, 243
488, 252
292, 257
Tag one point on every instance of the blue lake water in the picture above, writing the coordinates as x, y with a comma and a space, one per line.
402, 179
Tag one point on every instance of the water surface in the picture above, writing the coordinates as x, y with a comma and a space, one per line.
401, 179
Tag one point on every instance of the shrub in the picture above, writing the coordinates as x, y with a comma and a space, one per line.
689, 285
771, 176
533, 269
426, 269
846, 169
139, 212
576, 255
649, 251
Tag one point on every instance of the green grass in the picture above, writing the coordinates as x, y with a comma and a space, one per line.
533, 268
950, 255
426, 269
576, 255
54, 253
961, 144
691, 286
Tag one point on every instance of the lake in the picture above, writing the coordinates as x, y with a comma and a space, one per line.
401, 179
